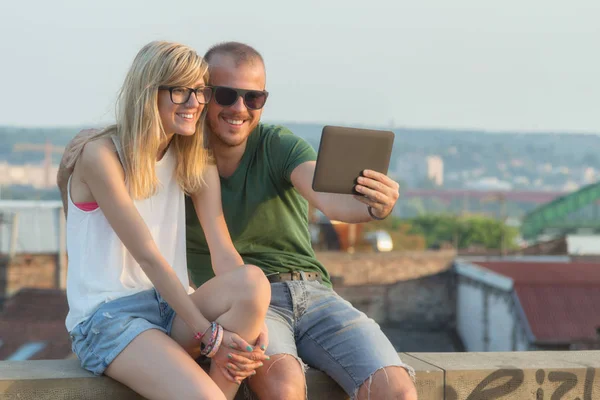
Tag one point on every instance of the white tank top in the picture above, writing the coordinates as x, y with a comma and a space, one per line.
100, 268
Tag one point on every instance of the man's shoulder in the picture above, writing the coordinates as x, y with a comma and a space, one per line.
273, 130
273, 135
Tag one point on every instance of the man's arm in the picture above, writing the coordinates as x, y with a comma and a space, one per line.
67, 163
379, 191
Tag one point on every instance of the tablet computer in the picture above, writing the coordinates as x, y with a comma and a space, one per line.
345, 152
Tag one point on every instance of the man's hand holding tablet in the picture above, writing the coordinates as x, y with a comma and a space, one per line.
356, 161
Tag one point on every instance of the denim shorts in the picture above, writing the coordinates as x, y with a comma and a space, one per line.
311, 322
98, 340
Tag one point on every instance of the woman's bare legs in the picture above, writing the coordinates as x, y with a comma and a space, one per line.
238, 301
156, 367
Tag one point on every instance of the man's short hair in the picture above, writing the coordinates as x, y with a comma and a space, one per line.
240, 53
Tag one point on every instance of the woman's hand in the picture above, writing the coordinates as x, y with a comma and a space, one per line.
263, 339
236, 359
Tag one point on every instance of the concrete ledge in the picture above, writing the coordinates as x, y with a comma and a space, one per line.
66, 380
449, 376
535, 375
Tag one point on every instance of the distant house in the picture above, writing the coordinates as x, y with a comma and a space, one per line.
32, 246
578, 246
512, 305
32, 227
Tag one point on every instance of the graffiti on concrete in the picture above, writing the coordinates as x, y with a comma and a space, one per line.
501, 383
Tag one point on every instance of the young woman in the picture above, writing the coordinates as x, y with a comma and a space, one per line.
132, 315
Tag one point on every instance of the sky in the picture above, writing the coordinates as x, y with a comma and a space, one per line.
510, 65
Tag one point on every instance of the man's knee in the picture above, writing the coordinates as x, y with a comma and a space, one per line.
388, 383
282, 377
281, 390
408, 392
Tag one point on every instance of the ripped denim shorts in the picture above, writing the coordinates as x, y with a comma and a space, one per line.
312, 323
98, 340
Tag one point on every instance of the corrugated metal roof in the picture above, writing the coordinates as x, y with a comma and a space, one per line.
560, 300
547, 273
560, 313
38, 226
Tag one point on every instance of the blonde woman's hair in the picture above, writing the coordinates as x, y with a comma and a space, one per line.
139, 128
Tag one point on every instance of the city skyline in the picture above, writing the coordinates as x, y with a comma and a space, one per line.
512, 66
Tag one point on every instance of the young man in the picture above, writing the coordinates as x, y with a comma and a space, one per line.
266, 183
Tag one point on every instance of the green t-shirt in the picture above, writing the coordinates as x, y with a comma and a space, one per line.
267, 218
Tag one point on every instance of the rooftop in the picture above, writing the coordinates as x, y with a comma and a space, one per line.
37, 226
560, 300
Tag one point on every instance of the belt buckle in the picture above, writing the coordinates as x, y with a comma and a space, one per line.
272, 277
296, 276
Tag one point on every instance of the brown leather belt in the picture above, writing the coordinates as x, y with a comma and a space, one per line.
294, 276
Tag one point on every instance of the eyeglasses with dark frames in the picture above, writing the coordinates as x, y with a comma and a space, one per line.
181, 94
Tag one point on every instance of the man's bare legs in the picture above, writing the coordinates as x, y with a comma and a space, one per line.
309, 320
388, 383
283, 378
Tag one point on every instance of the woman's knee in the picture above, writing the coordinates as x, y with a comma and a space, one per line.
253, 287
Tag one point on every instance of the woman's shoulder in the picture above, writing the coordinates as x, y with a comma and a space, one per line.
99, 153
102, 146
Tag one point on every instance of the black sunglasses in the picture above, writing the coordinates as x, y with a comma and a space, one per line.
227, 96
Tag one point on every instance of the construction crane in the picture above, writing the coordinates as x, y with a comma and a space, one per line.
48, 149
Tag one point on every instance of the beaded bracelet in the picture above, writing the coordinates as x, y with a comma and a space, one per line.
217, 343
210, 348
198, 336
213, 336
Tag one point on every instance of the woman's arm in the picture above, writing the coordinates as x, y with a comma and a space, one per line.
102, 172
207, 202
